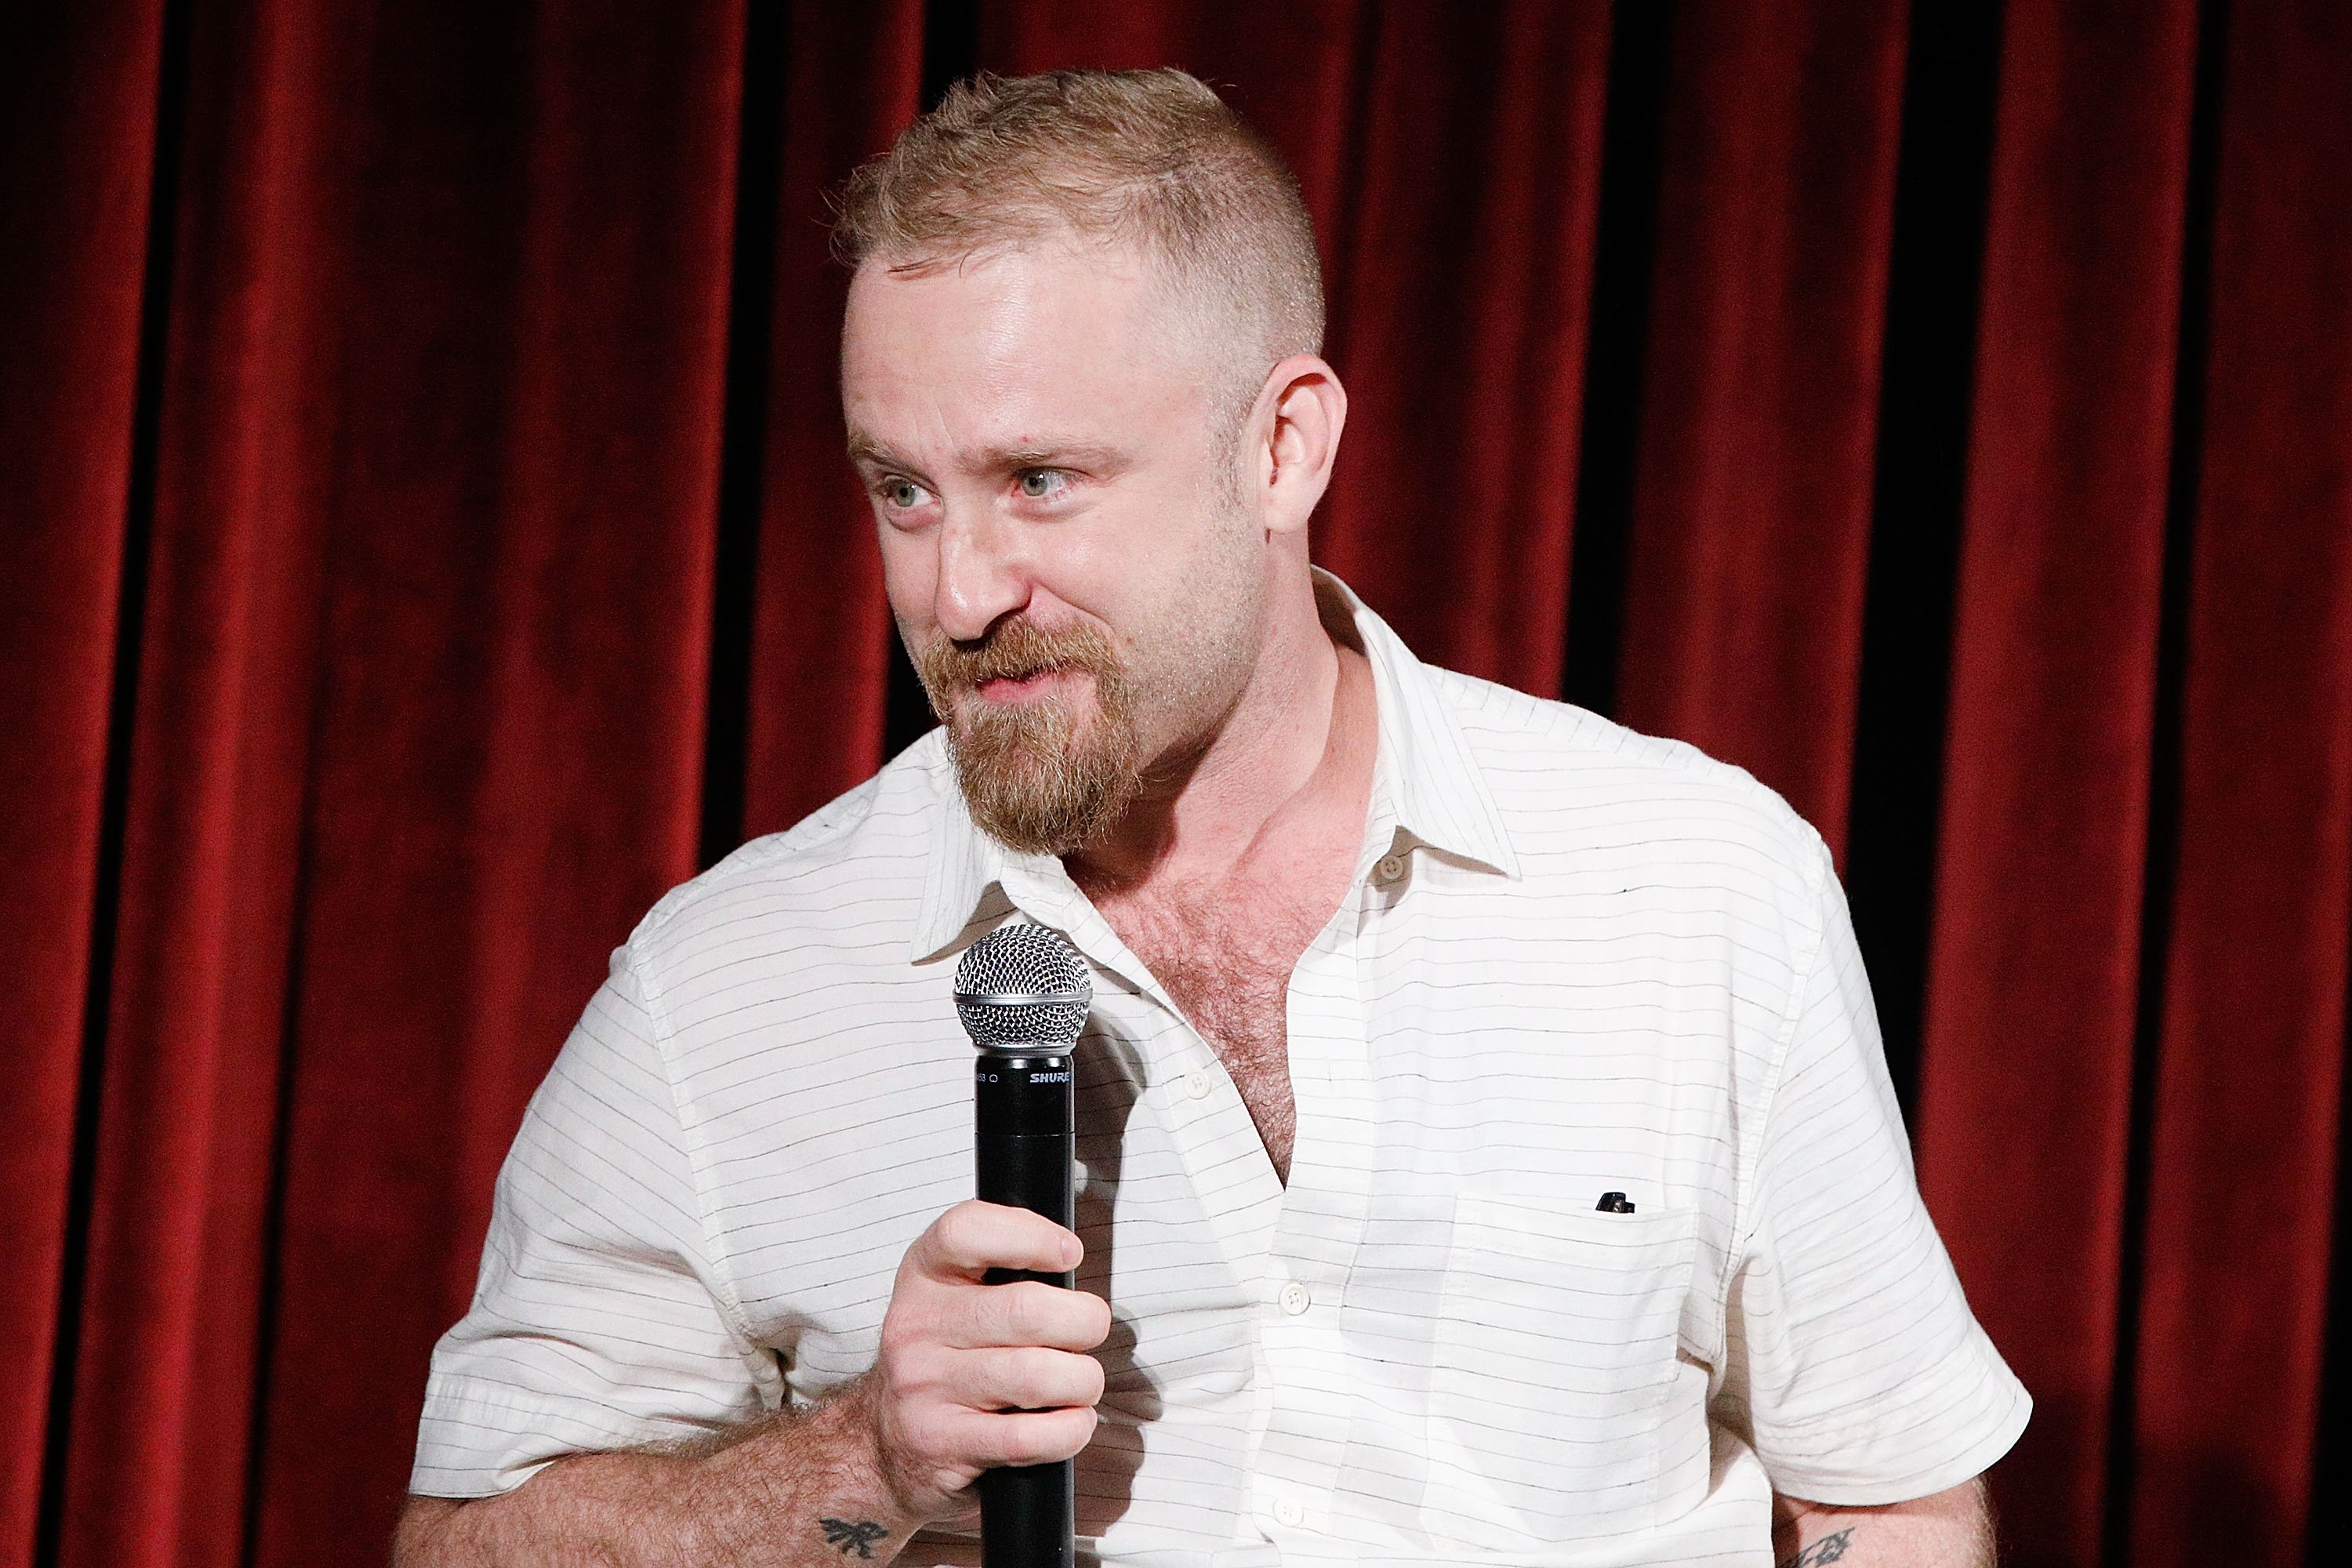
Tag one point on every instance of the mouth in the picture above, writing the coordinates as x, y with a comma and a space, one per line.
1031, 686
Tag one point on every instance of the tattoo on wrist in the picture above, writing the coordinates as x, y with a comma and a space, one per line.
846, 1536
1828, 1549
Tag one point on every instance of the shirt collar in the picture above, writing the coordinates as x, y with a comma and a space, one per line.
1436, 789
1425, 784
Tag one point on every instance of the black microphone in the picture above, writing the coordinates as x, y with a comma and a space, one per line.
1022, 992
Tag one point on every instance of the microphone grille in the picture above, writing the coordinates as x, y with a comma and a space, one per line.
1023, 985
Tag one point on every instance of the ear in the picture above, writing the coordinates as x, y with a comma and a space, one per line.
1295, 431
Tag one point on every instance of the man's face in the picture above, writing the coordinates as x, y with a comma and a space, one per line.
1067, 555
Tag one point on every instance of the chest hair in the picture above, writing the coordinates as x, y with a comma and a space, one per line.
1225, 955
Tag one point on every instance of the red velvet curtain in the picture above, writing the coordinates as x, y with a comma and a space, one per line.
426, 540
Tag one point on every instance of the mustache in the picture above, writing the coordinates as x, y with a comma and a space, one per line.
1012, 651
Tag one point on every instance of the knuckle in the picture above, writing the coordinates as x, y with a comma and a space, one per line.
976, 1318
954, 1232
1042, 1379
1007, 1313
1036, 1374
1039, 1438
1034, 1304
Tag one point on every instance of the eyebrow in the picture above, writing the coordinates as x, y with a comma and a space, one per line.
864, 449
1079, 454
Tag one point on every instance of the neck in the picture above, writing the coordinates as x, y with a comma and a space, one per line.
1294, 750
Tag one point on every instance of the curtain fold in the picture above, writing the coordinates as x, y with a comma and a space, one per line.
2032, 1000
820, 633
173, 1291
1758, 417
78, 108
1461, 298
508, 743
2243, 1124
454, 390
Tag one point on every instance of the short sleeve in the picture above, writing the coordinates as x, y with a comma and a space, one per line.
596, 1322
1854, 1364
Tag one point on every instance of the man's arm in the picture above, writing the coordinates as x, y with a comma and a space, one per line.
1948, 1530
805, 1488
969, 1376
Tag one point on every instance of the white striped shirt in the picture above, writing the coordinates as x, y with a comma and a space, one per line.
1574, 960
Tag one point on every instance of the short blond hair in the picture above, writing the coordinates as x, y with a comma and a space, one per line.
1151, 159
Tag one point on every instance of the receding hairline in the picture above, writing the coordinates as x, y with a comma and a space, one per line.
1150, 161
1182, 335
1208, 315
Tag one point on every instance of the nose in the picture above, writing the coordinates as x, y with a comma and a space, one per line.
982, 580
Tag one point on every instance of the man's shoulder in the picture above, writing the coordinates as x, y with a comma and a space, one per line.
1565, 778
846, 879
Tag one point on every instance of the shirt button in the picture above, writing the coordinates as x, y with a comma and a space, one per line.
1294, 1297
1391, 867
1197, 1083
1291, 1511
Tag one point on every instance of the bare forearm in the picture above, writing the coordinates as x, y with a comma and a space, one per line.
1949, 1529
969, 1376
799, 1489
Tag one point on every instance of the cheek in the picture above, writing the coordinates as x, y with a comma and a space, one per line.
1122, 563
1082, 569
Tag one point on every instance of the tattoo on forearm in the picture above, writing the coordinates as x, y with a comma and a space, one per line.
1828, 1549
860, 1536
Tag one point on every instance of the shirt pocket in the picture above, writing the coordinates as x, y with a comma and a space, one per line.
1554, 1367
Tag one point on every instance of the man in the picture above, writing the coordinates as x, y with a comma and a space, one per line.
1487, 1152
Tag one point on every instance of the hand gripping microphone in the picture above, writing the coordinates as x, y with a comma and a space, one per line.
1022, 992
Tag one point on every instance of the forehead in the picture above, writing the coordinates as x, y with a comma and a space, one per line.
991, 350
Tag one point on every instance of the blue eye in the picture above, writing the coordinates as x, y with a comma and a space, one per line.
1037, 484
902, 494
